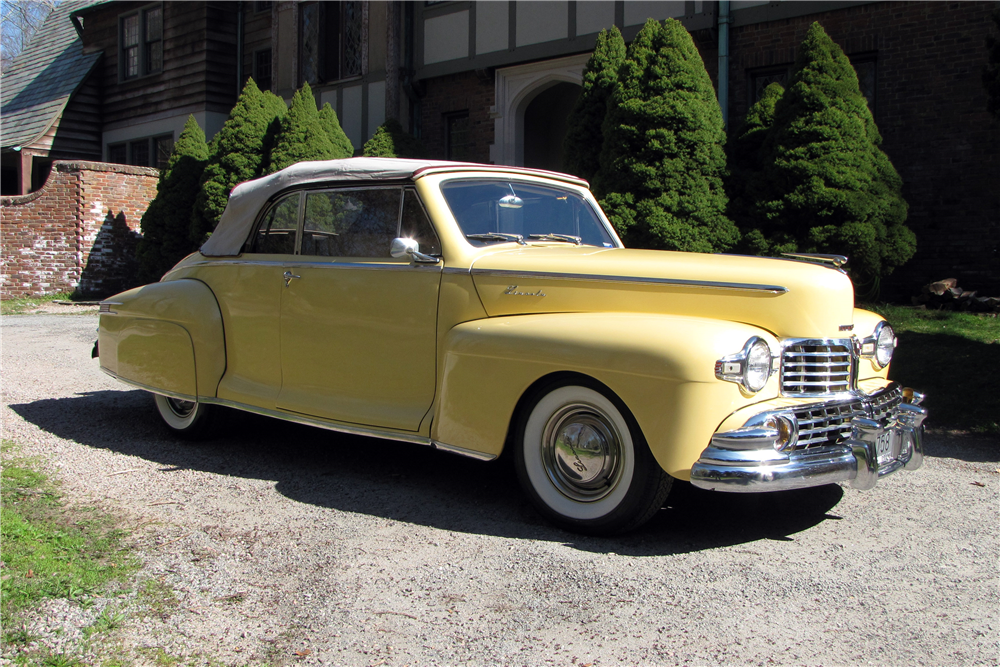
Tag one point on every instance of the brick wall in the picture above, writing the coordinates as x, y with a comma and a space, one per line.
452, 94
930, 108
77, 233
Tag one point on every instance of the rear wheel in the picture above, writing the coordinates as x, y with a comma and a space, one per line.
189, 419
584, 463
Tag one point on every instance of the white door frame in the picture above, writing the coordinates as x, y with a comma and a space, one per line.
515, 88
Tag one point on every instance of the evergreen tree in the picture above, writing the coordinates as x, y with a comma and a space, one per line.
827, 184
391, 140
166, 222
302, 137
341, 144
746, 162
236, 154
991, 72
584, 138
663, 159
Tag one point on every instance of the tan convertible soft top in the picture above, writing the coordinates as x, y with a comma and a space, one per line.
247, 198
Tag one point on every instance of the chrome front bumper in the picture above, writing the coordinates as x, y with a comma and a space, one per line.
747, 461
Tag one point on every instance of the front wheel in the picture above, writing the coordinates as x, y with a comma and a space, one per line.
189, 419
585, 464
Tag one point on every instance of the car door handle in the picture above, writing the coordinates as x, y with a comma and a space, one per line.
289, 276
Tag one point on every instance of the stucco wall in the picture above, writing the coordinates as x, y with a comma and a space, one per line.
77, 233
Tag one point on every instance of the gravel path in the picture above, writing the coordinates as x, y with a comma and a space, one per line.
279, 544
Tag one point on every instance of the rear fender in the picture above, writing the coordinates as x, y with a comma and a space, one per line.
662, 368
165, 337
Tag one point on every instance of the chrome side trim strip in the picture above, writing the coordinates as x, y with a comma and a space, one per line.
152, 390
462, 451
631, 280
297, 264
456, 271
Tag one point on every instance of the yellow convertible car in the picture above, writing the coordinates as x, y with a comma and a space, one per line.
475, 307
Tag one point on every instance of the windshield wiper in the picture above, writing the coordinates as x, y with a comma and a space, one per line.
557, 237
497, 236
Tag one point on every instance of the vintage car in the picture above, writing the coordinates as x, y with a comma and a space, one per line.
474, 308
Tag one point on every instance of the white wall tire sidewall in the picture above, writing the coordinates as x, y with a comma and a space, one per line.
535, 469
173, 420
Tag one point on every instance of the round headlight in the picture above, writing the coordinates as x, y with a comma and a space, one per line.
758, 366
885, 344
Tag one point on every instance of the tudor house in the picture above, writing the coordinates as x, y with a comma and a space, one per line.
495, 81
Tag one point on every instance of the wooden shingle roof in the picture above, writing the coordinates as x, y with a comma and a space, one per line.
43, 77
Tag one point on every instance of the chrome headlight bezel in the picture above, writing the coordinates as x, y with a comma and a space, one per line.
747, 367
879, 346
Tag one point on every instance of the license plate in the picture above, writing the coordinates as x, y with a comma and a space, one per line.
886, 447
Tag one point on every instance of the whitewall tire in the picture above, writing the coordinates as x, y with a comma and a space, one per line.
190, 419
584, 462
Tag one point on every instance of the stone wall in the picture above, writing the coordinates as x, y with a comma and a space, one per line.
77, 233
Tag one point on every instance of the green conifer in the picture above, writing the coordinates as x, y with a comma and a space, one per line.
746, 162
391, 140
663, 159
341, 144
166, 222
584, 138
301, 137
828, 184
236, 154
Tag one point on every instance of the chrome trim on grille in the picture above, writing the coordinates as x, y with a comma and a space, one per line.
819, 366
631, 280
828, 423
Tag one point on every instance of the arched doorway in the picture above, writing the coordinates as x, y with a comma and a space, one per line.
545, 119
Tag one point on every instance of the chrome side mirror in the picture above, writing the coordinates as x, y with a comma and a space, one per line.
402, 247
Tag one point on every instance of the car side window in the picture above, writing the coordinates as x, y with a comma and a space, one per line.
415, 225
276, 234
350, 223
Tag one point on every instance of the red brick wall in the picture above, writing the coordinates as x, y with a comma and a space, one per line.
77, 233
456, 93
931, 110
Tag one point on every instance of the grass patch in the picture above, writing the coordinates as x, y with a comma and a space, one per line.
159, 598
27, 304
952, 357
48, 549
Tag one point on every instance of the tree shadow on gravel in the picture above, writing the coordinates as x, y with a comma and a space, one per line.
410, 483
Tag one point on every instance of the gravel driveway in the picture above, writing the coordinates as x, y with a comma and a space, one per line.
279, 544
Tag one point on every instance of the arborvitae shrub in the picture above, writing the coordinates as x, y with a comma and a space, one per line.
302, 137
391, 140
827, 185
236, 154
341, 144
166, 223
584, 137
663, 159
746, 162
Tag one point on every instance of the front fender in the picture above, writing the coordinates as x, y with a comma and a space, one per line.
166, 337
662, 367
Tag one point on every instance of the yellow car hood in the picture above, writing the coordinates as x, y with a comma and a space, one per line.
785, 297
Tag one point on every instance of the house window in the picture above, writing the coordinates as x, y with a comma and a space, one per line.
141, 40
144, 152
331, 41
260, 7
761, 79
865, 66
262, 68
458, 136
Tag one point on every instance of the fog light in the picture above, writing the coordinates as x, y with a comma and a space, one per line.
787, 429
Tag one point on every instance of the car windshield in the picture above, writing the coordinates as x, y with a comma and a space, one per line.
499, 210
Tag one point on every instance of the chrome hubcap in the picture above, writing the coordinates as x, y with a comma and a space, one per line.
182, 409
581, 452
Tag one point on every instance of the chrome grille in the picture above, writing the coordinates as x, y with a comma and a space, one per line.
815, 367
830, 423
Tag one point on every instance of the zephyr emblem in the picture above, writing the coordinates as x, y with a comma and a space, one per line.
512, 291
